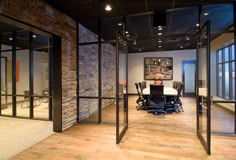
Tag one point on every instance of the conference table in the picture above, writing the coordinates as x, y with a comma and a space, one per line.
167, 91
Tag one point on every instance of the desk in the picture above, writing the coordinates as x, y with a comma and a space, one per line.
167, 91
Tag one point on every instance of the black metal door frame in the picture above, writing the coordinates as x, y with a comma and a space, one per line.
206, 143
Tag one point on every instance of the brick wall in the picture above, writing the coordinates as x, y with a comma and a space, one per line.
39, 14
88, 73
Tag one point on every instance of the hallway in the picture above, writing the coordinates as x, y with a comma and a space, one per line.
149, 137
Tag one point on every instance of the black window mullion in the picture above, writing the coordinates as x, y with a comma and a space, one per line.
31, 75
14, 74
230, 73
1, 74
50, 77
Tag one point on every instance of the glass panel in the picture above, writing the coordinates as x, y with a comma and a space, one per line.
220, 80
108, 111
220, 56
85, 35
88, 110
41, 75
22, 105
189, 78
226, 54
222, 119
203, 130
88, 73
108, 70
22, 73
226, 80
6, 73
122, 96
111, 26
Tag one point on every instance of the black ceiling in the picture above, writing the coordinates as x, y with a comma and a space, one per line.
179, 33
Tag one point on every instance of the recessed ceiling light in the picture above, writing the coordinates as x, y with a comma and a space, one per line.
206, 14
159, 60
160, 29
187, 38
199, 43
140, 50
127, 35
10, 39
197, 24
126, 32
119, 24
181, 47
34, 36
134, 43
108, 8
159, 41
159, 34
159, 46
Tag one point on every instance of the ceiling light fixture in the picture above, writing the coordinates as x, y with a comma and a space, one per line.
10, 39
34, 36
159, 41
159, 34
134, 43
181, 47
187, 38
108, 8
119, 24
160, 29
159, 46
206, 14
197, 25
140, 50
126, 32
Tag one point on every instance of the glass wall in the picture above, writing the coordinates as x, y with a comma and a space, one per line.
25, 67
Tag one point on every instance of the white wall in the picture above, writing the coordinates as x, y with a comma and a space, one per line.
136, 66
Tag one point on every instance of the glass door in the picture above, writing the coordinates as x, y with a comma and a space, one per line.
203, 87
121, 88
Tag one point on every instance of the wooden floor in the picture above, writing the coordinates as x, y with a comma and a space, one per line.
149, 137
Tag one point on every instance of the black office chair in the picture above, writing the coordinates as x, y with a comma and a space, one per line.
157, 99
140, 101
179, 90
144, 84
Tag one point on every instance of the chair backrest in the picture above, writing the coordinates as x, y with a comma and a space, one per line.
175, 83
137, 88
141, 87
144, 84
156, 92
180, 88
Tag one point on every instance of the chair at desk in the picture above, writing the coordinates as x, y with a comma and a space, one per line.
140, 101
157, 99
180, 86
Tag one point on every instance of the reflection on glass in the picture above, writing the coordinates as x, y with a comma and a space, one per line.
232, 52
108, 111
88, 110
220, 80
202, 76
220, 56
6, 74
41, 75
88, 74
22, 73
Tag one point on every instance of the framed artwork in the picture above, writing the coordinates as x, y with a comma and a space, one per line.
158, 68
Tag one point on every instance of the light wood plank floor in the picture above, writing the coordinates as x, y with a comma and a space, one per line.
149, 137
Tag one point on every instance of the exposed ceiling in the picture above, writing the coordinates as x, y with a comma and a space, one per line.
181, 16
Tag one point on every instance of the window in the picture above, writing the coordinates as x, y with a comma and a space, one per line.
226, 72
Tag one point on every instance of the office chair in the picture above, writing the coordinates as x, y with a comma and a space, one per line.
179, 90
157, 99
140, 101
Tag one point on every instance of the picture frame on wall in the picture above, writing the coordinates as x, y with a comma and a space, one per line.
158, 68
